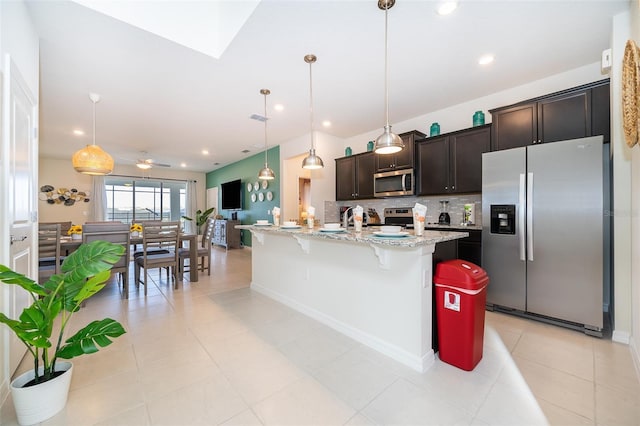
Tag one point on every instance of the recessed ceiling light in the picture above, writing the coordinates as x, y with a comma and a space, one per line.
183, 164
278, 107
326, 123
205, 152
447, 7
486, 59
78, 132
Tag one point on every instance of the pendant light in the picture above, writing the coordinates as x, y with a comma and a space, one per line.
92, 160
312, 161
388, 142
266, 173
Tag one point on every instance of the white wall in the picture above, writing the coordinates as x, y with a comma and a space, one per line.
635, 222
622, 236
18, 39
322, 181
60, 174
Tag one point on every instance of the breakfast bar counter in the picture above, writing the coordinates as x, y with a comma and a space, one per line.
374, 288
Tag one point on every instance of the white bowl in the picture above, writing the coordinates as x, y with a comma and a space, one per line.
389, 229
331, 226
289, 223
262, 222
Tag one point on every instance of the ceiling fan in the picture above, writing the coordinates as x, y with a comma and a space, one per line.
149, 163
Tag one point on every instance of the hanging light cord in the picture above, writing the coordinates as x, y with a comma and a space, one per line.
311, 107
386, 65
94, 121
265, 130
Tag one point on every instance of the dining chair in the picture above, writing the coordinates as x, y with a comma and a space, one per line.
49, 258
64, 226
117, 233
155, 237
137, 253
204, 251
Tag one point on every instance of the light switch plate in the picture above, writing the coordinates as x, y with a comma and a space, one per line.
606, 60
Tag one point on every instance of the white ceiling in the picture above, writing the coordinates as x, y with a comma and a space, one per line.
171, 101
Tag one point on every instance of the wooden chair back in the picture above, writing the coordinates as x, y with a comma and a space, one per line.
64, 226
117, 233
49, 257
159, 249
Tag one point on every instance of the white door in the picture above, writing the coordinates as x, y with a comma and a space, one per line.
20, 116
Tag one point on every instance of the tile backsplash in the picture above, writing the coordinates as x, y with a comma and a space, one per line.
456, 206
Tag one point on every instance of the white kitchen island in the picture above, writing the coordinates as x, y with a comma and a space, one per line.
375, 290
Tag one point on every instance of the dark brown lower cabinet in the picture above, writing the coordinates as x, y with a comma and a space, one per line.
469, 248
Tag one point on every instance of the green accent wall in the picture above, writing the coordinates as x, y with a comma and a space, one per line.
247, 170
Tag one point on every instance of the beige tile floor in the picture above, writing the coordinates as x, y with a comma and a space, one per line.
214, 352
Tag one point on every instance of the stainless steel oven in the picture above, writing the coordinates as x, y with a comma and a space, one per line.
397, 182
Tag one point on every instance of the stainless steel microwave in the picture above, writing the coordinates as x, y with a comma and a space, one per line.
390, 184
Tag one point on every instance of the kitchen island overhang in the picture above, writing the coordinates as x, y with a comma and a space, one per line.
377, 291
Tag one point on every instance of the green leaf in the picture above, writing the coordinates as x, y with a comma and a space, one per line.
34, 326
10, 277
87, 340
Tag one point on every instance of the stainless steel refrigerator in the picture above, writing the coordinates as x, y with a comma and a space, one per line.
543, 231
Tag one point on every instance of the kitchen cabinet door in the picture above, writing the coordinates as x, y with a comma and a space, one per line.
354, 176
365, 168
564, 117
466, 150
514, 127
345, 178
432, 156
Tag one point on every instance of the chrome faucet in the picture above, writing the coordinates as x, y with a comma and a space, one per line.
346, 217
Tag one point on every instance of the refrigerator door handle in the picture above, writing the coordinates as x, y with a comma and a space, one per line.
530, 217
521, 227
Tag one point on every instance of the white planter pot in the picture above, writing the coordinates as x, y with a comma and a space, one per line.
76, 236
40, 402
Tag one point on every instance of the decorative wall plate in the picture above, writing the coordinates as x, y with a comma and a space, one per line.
253, 197
249, 186
630, 92
269, 195
261, 196
256, 186
265, 184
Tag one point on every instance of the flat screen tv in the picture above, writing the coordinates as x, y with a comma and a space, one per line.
232, 195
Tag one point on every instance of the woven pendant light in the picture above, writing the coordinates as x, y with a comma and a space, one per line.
92, 160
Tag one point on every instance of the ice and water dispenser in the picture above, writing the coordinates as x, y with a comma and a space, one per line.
503, 219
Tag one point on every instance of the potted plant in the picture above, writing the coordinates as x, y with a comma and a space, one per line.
40, 393
76, 232
136, 229
201, 218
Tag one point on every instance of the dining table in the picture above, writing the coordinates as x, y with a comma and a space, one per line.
68, 245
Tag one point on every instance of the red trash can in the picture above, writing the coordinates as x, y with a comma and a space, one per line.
460, 305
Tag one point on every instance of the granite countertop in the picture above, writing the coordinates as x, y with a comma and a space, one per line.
366, 236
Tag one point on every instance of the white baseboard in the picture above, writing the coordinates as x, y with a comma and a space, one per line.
621, 337
420, 364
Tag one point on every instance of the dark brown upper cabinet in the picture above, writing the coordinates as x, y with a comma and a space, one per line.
354, 176
452, 163
575, 113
